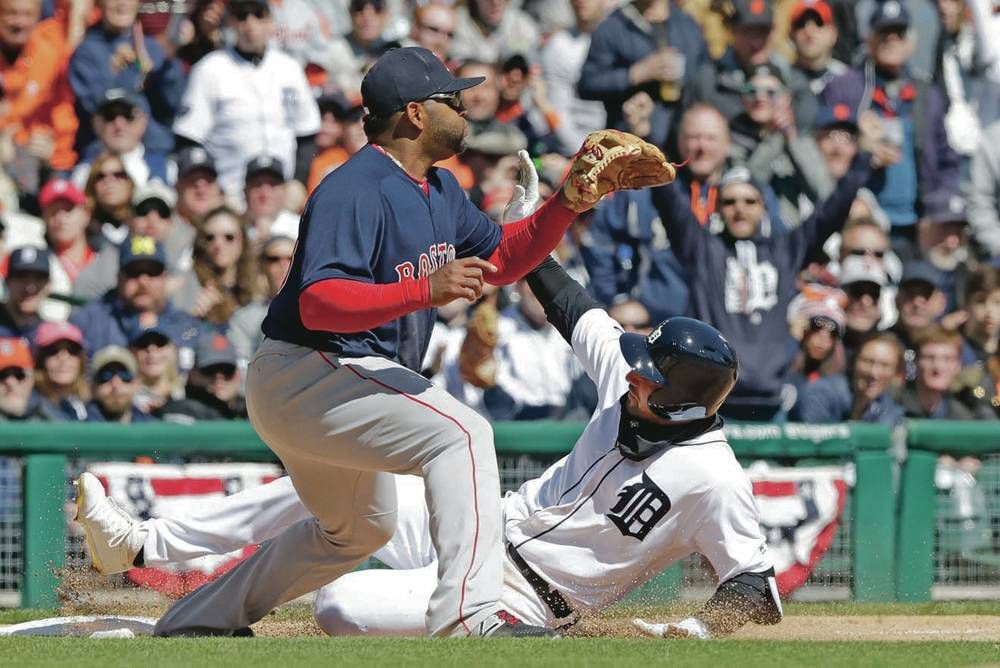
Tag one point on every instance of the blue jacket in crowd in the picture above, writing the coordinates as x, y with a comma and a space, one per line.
624, 38
927, 155
743, 287
108, 322
829, 400
627, 255
90, 75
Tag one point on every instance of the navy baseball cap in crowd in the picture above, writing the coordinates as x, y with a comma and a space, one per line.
265, 163
837, 116
28, 259
214, 349
121, 98
143, 336
138, 248
751, 13
945, 208
333, 101
739, 174
920, 271
889, 14
192, 158
405, 75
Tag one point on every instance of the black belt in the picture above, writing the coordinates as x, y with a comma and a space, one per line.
551, 597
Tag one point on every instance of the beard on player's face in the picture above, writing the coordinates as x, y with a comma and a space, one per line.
446, 133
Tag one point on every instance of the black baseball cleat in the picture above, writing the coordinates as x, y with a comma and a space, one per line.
505, 625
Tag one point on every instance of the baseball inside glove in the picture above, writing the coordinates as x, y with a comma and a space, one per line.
612, 160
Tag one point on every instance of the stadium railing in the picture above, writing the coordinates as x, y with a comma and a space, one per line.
949, 522
42, 459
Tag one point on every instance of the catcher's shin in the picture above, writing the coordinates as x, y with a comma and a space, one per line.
612, 160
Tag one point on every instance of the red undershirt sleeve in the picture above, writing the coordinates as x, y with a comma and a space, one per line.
344, 306
526, 242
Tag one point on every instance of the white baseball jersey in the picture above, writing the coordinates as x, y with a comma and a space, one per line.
239, 111
596, 524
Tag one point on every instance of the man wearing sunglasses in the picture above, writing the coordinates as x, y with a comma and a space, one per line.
864, 281
138, 301
114, 384
249, 99
213, 387
743, 281
120, 122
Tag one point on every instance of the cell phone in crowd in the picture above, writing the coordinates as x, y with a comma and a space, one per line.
892, 131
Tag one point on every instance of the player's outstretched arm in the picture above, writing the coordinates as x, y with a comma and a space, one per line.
748, 597
609, 160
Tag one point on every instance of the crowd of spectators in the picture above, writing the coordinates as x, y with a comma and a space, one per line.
836, 213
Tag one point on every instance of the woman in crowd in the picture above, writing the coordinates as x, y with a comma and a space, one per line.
867, 394
61, 371
224, 276
109, 196
159, 378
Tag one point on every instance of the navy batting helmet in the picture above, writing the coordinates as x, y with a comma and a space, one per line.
692, 363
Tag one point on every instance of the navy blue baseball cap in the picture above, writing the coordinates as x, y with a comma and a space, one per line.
889, 14
837, 116
28, 259
141, 249
405, 75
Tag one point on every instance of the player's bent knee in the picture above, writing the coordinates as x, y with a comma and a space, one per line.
333, 610
374, 531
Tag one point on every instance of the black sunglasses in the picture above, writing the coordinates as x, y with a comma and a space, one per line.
453, 100
108, 115
15, 372
228, 236
863, 252
271, 259
119, 175
859, 289
745, 201
141, 270
257, 11
72, 347
151, 205
106, 373
226, 370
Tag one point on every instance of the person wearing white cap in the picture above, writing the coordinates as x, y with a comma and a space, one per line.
863, 280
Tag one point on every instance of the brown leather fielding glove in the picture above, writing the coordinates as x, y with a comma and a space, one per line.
612, 160
476, 362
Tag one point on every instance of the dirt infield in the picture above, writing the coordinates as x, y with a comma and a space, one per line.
852, 628
799, 627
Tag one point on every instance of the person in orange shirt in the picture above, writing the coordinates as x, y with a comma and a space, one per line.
339, 137
38, 102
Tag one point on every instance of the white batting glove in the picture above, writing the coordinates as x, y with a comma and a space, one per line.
686, 628
525, 199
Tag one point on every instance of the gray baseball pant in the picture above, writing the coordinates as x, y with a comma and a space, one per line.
339, 425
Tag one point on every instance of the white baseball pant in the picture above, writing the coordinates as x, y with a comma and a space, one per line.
339, 426
378, 602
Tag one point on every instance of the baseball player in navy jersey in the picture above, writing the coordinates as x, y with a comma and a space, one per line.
335, 389
650, 481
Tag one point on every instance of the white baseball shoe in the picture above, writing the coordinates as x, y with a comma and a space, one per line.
113, 536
